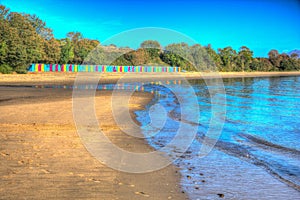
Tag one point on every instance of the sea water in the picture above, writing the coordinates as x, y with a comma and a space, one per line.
257, 155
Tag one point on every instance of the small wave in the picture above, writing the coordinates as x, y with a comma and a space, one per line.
267, 143
177, 117
286, 173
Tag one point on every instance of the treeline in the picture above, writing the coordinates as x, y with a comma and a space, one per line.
25, 39
197, 57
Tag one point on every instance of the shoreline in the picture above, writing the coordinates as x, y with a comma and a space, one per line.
42, 155
62, 78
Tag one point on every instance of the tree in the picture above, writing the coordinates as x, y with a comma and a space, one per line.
3, 52
67, 51
228, 56
294, 55
152, 47
40, 27
266, 64
214, 57
178, 54
244, 58
4, 37
74, 36
82, 48
275, 59
151, 44
200, 58
25, 39
3, 12
288, 63
139, 57
52, 51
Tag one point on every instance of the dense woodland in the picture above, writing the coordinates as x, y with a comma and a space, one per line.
25, 39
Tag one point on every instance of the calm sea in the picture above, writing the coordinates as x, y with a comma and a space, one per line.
257, 155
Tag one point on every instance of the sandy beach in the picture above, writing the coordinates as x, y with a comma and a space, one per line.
68, 78
42, 156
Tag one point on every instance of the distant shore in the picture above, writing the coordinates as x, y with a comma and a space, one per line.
69, 78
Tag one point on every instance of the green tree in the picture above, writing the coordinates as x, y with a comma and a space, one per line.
82, 48
275, 59
179, 54
153, 48
200, 58
214, 56
176, 60
52, 51
3, 12
67, 51
151, 44
25, 44
228, 57
244, 58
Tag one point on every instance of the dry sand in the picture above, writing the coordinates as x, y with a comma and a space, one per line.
68, 78
42, 156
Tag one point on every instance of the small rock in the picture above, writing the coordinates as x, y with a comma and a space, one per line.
45, 171
221, 195
143, 194
5, 154
21, 162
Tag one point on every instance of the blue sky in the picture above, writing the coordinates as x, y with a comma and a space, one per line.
261, 25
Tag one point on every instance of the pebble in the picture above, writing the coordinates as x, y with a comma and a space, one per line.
221, 195
143, 194
45, 171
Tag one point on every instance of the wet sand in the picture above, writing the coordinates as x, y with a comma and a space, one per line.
42, 156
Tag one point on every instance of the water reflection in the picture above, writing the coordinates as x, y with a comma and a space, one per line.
262, 124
